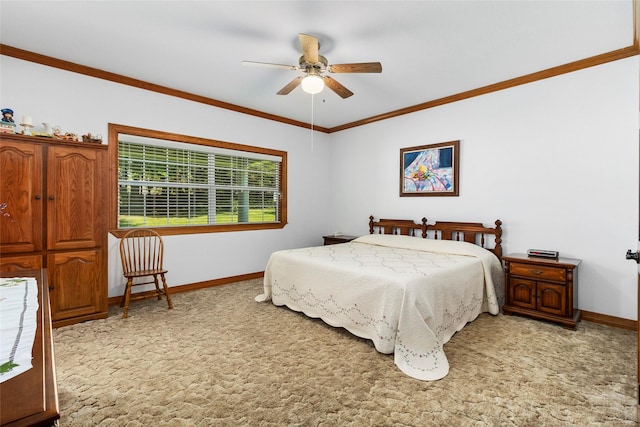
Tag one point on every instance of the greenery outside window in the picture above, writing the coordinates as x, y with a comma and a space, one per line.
178, 184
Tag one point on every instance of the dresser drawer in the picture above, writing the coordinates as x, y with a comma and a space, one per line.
538, 272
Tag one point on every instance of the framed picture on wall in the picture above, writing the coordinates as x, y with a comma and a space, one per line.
430, 170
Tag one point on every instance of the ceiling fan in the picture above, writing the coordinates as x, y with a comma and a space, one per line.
314, 66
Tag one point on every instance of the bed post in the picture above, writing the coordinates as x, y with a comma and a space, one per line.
498, 246
371, 224
424, 227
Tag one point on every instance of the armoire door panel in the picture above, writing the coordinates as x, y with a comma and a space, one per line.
21, 189
76, 283
20, 262
75, 211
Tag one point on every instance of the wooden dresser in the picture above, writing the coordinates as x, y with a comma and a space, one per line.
56, 198
542, 288
31, 398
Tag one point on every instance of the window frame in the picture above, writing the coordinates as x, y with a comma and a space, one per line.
114, 132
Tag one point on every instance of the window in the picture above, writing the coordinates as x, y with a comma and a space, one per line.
179, 184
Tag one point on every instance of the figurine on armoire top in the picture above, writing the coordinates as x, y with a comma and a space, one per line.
7, 124
7, 115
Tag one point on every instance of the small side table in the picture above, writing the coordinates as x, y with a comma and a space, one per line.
334, 240
542, 288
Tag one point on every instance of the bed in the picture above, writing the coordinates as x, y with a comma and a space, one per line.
406, 286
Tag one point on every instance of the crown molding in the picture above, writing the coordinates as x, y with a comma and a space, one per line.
529, 78
604, 58
141, 84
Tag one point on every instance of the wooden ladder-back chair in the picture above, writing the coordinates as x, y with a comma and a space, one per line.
142, 252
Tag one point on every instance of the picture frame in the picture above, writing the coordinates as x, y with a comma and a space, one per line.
430, 170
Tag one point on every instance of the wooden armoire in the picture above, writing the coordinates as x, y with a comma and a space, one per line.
55, 200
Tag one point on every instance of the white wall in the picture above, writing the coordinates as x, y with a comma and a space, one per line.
555, 160
82, 104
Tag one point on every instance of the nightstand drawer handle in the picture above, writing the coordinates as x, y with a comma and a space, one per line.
536, 272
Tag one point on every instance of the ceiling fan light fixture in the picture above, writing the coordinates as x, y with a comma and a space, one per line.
313, 66
312, 84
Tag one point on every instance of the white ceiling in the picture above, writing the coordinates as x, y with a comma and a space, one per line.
428, 49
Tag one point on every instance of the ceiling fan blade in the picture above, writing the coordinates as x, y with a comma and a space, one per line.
266, 64
362, 67
290, 86
337, 87
310, 47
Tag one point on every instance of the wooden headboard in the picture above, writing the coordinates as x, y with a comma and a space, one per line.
405, 227
470, 232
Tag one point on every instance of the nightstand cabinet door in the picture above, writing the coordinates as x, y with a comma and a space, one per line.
522, 293
552, 299
542, 288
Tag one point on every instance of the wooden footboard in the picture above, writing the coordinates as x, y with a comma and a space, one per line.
489, 238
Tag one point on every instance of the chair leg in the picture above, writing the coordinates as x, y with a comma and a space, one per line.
166, 291
155, 282
125, 300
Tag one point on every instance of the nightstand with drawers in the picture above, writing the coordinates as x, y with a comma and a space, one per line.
542, 288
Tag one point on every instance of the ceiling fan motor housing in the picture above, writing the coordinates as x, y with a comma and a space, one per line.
315, 65
319, 66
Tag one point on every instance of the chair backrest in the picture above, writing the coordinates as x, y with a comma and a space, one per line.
141, 249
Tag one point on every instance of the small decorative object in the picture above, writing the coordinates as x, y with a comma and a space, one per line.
48, 128
7, 124
4, 213
89, 138
430, 170
66, 136
7, 115
27, 124
70, 137
6, 127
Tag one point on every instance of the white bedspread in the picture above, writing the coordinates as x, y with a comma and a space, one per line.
408, 295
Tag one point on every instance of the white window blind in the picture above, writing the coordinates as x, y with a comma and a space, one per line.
165, 183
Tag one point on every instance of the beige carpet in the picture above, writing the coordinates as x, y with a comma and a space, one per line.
221, 359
